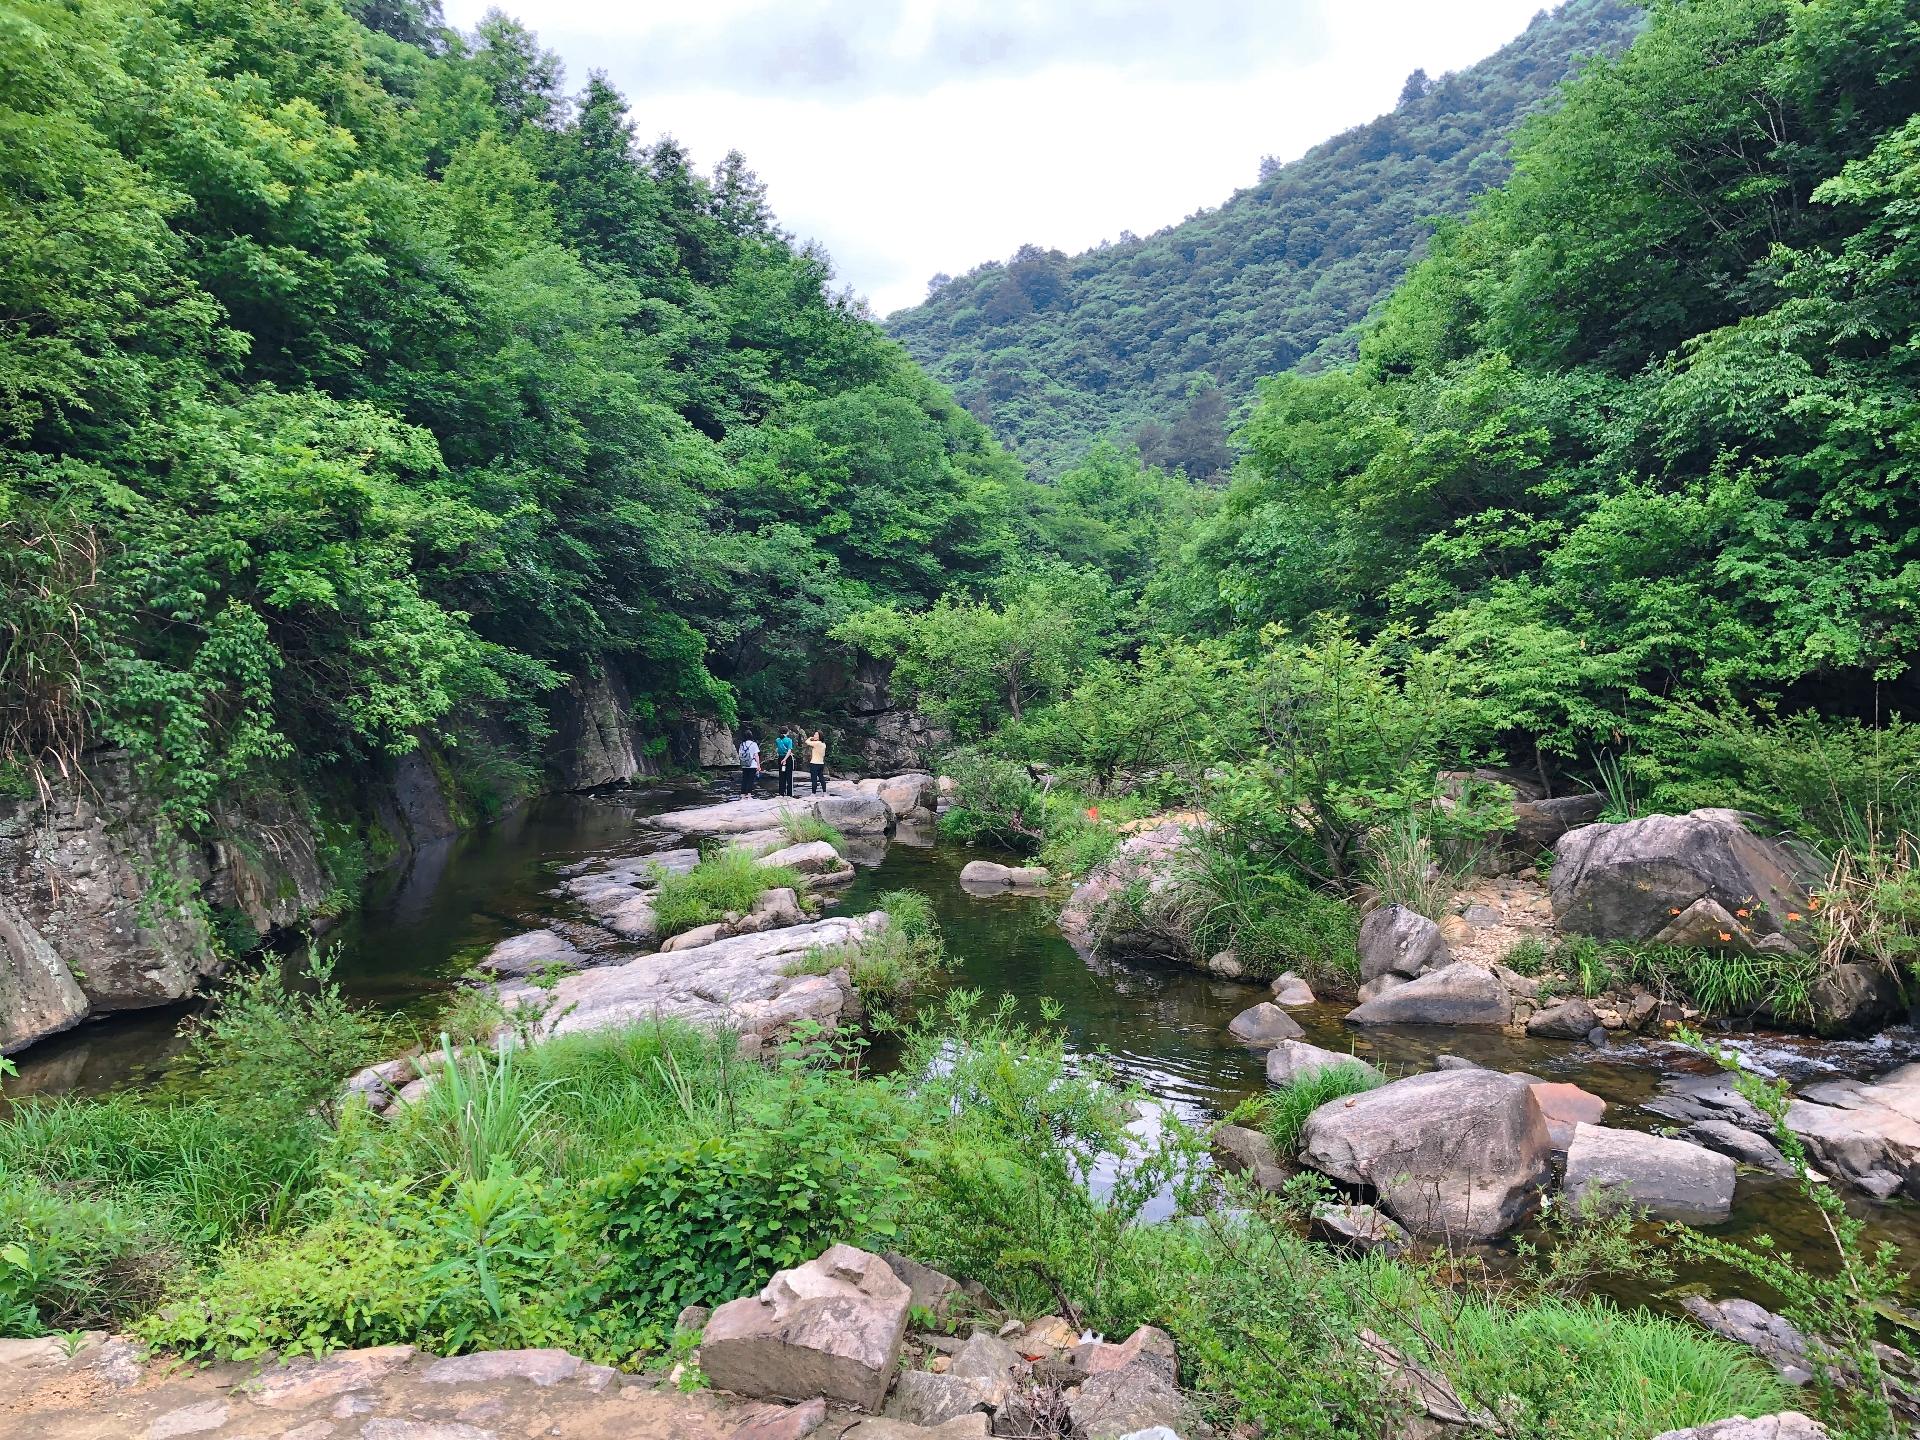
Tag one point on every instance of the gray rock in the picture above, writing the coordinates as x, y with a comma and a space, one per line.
1459, 1154
737, 984
592, 742
923, 1398
1539, 824
1460, 995
987, 876
1861, 1131
542, 1367
810, 857
1568, 1020
1359, 1228
1290, 1059
1121, 1402
931, 1290
1264, 1025
1397, 944
38, 994
1631, 881
1786, 1425
1238, 1151
904, 795
388, 1429
1670, 1179
536, 950
832, 1327
1428, 1390
963, 1427
986, 1357
1131, 903
1774, 1338
1851, 998
692, 1319
849, 813
190, 1420
1743, 1145
1290, 990
299, 1383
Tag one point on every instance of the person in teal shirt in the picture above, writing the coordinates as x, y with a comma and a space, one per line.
783, 752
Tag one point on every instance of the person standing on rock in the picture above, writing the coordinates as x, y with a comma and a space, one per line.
783, 752
816, 763
749, 764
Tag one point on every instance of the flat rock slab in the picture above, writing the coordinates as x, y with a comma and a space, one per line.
299, 1383
536, 950
738, 984
983, 877
1460, 995
541, 1367
852, 814
1865, 1133
1669, 1179
1786, 1425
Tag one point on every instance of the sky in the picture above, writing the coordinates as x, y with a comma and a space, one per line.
915, 137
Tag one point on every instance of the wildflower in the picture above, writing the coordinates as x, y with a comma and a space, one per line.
1743, 913
1814, 904
1093, 812
1725, 936
1793, 914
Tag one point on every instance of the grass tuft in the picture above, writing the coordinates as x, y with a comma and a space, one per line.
724, 882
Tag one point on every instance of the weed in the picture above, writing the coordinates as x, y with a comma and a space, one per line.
1286, 1109
726, 882
802, 826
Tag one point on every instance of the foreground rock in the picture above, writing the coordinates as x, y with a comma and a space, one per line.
1641, 880
832, 1327
1130, 903
1455, 1154
816, 861
1241, 1151
1397, 945
1669, 1179
531, 953
739, 984
1865, 1132
849, 812
1787, 1425
1460, 995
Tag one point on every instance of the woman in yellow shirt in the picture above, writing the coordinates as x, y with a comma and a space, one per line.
816, 763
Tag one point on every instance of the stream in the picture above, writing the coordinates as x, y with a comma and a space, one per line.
1161, 1027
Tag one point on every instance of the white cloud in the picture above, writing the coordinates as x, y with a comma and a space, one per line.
915, 136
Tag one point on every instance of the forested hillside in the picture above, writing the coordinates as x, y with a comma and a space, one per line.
1158, 340
359, 385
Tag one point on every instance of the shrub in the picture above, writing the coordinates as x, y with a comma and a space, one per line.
1527, 956
1286, 1109
994, 801
1269, 916
801, 827
899, 962
1075, 846
725, 882
73, 1261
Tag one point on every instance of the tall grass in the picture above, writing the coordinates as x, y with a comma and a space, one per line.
802, 826
1269, 916
483, 1110
1404, 867
1283, 1114
724, 882
897, 963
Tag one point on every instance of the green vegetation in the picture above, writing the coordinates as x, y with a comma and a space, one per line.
1283, 1113
1158, 340
726, 882
801, 828
899, 963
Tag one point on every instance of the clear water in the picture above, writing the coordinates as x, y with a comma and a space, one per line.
1162, 1027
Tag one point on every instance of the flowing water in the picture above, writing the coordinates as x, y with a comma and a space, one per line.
1161, 1027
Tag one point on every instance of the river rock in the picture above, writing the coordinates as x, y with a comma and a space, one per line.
536, 950
1786, 1425
1397, 945
738, 983
1460, 995
1853, 997
1122, 1402
1290, 990
38, 994
1772, 1337
1566, 1107
1460, 1154
1131, 903
1633, 880
817, 860
964, 1427
904, 795
1359, 1228
1569, 1020
1290, 1059
1263, 1025
1239, 1150
1669, 1179
1745, 1147
921, 1397
985, 876
832, 1327
1866, 1133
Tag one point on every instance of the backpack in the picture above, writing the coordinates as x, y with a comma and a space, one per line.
749, 755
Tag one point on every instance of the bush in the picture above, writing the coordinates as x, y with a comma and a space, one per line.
994, 801
1285, 1111
725, 882
75, 1261
1269, 916
899, 962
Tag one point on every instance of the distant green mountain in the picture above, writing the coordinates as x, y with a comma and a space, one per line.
1158, 339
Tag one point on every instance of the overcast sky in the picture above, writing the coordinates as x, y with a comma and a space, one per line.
918, 136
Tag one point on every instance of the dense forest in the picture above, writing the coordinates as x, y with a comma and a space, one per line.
360, 381
1159, 340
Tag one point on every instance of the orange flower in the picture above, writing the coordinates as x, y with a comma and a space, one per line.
1725, 936
1793, 914
1093, 812
1743, 913
1814, 904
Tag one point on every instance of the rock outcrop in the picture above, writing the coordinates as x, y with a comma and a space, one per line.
832, 1327
38, 994
1786, 1425
1669, 1179
593, 744
1130, 903
1455, 1154
1397, 945
1684, 879
1864, 1132
739, 984
848, 811
909, 795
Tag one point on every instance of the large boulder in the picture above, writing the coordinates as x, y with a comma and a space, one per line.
527, 954
847, 810
1397, 945
1686, 878
1240, 1151
904, 795
38, 994
1455, 1154
1131, 903
1123, 1402
1864, 1132
1264, 1025
1669, 1179
832, 1327
987, 877
1571, 1019
1460, 995
1291, 1059
592, 742
1567, 1107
